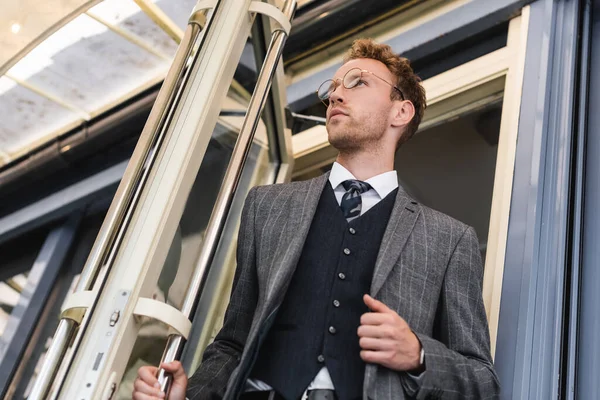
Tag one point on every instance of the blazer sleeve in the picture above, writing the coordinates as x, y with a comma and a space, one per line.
223, 355
458, 362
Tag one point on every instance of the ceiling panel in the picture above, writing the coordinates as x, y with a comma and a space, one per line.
23, 23
97, 68
179, 11
101, 57
126, 15
96, 61
27, 117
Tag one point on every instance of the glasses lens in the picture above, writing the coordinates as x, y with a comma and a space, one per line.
326, 89
352, 78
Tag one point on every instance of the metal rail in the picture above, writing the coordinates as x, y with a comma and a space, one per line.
224, 200
111, 234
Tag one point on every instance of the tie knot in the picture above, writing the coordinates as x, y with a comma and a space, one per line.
356, 185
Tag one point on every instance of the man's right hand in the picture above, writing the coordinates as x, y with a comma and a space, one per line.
146, 386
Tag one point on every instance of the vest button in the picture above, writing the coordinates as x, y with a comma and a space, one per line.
352, 231
347, 251
342, 276
321, 358
332, 330
336, 303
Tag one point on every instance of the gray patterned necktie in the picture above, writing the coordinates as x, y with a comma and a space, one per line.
351, 203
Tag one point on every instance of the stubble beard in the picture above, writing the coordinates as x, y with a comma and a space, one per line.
351, 136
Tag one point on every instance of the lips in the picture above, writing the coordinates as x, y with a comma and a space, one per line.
336, 111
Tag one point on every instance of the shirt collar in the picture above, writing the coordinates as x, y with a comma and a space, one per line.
383, 184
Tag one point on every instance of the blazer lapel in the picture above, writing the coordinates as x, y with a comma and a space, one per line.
305, 200
399, 227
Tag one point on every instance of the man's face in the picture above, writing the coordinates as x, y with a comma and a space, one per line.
358, 118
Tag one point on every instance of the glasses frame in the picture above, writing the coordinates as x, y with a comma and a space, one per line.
342, 80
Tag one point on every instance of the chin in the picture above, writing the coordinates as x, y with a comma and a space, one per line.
342, 142
334, 131
335, 139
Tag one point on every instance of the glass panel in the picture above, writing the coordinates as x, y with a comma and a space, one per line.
17, 259
126, 15
184, 250
182, 256
89, 66
26, 117
179, 11
24, 21
82, 70
41, 335
178, 266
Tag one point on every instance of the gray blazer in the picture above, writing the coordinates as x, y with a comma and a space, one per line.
428, 270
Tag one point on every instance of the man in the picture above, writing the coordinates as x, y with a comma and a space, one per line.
346, 287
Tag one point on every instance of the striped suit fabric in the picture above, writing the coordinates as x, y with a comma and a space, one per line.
428, 270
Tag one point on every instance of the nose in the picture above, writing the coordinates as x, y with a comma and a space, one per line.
337, 94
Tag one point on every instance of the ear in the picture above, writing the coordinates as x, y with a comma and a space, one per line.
403, 112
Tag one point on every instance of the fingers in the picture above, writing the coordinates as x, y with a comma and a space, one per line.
368, 343
372, 331
179, 383
375, 305
176, 369
375, 318
148, 374
143, 391
146, 386
375, 357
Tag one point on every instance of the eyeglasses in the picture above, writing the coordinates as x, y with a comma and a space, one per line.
350, 80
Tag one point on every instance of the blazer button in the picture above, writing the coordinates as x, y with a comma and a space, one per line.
352, 231
342, 276
336, 303
347, 251
332, 330
321, 358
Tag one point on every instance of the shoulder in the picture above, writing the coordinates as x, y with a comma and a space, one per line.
276, 198
279, 190
444, 233
444, 224
282, 187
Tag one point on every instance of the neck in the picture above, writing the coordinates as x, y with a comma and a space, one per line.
364, 165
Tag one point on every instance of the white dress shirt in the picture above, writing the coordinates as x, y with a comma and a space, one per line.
382, 185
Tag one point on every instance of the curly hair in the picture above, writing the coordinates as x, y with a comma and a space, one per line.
406, 80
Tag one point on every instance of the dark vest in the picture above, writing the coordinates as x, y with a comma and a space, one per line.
317, 322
